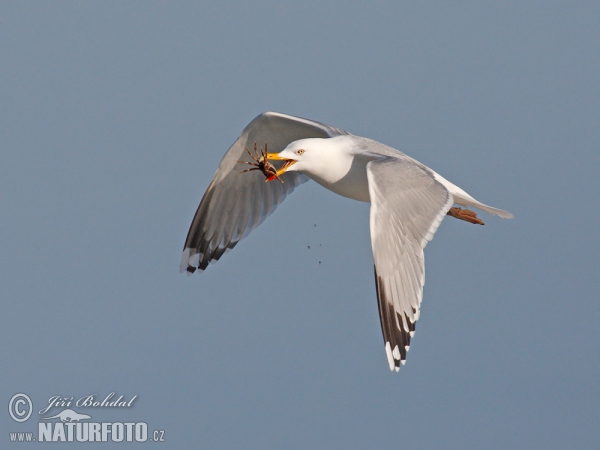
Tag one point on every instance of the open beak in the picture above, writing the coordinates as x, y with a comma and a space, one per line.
286, 165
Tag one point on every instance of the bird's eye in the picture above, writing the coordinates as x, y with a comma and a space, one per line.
300, 152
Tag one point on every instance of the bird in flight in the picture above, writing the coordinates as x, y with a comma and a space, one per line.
408, 202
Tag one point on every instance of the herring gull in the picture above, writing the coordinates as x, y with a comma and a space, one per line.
408, 202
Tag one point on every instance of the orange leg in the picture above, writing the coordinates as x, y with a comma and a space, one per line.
465, 214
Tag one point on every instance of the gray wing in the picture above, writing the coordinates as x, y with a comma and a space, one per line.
235, 203
407, 206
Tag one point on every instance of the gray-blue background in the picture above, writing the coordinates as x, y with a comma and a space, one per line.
113, 119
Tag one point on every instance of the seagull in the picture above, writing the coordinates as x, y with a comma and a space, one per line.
408, 202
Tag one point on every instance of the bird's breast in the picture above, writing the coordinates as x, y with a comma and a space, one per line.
349, 180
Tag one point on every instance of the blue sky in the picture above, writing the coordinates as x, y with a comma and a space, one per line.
113, 119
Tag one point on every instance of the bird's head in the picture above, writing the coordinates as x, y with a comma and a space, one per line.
305, 155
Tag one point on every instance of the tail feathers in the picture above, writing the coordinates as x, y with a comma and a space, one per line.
462, 198
490, 209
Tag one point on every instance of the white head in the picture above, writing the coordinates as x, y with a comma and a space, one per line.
324, 158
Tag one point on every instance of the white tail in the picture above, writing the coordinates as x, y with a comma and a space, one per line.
462, 198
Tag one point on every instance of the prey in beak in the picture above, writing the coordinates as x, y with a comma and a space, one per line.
286, 165
261, 163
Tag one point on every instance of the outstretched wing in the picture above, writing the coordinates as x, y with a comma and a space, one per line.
234, 204
407, 206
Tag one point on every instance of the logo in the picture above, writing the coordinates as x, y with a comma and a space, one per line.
65, 424
68, 415
20, 407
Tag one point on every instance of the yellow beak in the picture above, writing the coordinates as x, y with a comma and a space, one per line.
288, 163
275, 156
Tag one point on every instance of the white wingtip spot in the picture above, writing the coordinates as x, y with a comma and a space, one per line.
388, 352
397, 369
403, 362
195, 260
412, 333
396, 353
184, 260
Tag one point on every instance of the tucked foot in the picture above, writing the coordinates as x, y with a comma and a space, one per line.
465, 214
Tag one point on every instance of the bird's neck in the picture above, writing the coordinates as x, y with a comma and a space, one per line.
345, 174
